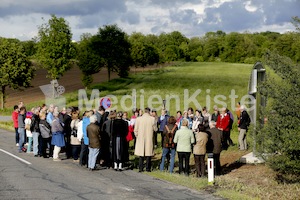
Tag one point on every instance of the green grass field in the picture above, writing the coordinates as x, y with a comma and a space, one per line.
178, 83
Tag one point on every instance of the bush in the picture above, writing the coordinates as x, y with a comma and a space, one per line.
280, 137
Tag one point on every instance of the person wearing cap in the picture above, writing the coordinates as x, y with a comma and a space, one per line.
143, 130
243, 128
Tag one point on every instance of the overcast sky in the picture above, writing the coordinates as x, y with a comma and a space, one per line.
21, 18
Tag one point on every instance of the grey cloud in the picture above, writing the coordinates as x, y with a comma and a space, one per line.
233, 16
98, 20
131, 17
65, 8
184, 16
172, 3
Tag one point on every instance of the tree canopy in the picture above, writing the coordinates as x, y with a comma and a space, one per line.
16, 71
88, 61
55, 49
112, 45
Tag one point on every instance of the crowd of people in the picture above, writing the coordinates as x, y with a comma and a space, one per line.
101, 137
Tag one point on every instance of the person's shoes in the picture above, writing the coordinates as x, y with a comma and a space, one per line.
35, 155
56, 159
17, 144
120, 167
115, 166
148, 170
75, 160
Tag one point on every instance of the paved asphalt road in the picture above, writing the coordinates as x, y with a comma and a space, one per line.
5, 118
42, 178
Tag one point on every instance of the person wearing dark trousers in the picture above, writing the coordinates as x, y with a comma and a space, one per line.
184, 138
84, 152
143, 130
162, 122
216, 146
231, 120
119, 143
15, 114
199, 150
243, 128
222, 124
67, 132
45, 130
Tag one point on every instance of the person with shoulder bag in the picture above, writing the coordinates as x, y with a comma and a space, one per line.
168, 143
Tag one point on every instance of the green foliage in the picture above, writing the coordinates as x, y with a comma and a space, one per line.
55, 49
88, 61
30, 47
112, 45
280, 137
15, 69
143, 54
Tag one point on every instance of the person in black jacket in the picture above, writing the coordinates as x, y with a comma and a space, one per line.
243, 128
35, 129
119, 143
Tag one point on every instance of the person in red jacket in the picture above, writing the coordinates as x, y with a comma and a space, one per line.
223, 123
14, 116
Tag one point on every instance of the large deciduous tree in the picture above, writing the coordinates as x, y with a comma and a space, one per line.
112, 45
88, 62
55, 49
16, 71
142, 51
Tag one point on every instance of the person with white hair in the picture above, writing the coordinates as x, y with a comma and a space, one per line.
184, 138
93, 133
243, 128
58, 139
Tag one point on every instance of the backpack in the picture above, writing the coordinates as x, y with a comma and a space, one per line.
169, 137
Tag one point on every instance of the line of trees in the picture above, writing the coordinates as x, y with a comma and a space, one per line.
117, 51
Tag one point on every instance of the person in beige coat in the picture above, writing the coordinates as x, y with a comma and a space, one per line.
143, 130
200, 150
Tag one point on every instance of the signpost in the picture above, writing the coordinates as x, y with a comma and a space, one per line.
258, 76
105, 102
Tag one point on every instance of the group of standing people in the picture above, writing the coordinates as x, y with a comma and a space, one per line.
102, 137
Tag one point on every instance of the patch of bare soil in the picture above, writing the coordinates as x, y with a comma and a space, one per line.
71, 81
257, 181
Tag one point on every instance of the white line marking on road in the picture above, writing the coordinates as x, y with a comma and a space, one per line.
16, 157
127, 188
